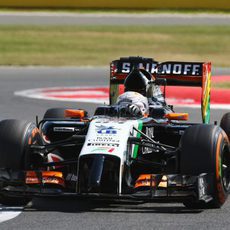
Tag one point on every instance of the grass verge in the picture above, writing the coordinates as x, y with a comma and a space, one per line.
222, 85
111, 11
98, 45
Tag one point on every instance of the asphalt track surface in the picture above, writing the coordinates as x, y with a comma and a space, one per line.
74, 214
18, 78
78, 214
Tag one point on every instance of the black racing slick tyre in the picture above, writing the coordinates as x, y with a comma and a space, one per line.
15, 138
205, 149
55, 113
225, 124
59, 113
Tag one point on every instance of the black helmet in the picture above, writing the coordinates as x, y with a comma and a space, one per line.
137, 81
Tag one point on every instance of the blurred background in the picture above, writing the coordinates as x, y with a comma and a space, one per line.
63, 43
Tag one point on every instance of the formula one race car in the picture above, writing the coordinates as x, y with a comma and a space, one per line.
115, 155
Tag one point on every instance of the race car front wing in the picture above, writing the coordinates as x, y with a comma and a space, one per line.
169, 188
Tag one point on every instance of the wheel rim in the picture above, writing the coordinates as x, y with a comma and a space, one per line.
226, 168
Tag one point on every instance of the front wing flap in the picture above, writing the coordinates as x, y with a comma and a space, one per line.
175, 188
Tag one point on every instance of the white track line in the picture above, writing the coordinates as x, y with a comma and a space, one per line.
7, 213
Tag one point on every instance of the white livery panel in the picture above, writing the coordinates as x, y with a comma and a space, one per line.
108, 136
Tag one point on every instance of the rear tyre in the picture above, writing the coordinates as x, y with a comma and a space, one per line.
15, 155
225, 124
55, 113
205, 149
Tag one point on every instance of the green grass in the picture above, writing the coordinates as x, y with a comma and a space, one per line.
98, 45
221, 85
111, 11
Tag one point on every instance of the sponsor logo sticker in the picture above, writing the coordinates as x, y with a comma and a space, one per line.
106, 130
104, 149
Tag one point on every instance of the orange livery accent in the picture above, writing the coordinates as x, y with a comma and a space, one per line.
46, 177
145, 180
149, 180
177, 116
32, 136
75, 113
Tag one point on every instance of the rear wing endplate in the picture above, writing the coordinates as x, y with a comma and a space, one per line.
194, 74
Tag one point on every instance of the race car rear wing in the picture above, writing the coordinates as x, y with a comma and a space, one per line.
197, 74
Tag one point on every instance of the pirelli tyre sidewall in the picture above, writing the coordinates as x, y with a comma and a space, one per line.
205, 149
222, 165
225, 124
15, 138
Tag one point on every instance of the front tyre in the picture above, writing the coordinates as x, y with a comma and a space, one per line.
205, 149
15, 155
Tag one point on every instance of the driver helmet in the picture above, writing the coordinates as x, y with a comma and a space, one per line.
137, 81
134, 98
